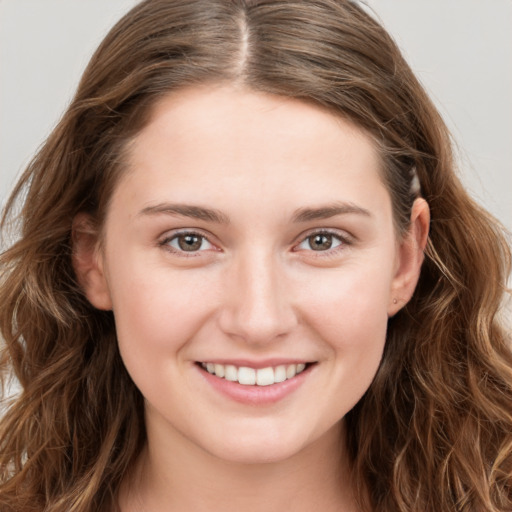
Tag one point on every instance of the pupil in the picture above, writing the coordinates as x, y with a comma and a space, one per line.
189, 242
321, 242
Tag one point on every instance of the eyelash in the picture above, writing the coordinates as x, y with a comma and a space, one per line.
166, 243
343, 242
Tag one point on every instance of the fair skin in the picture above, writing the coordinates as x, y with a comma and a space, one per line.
250, 231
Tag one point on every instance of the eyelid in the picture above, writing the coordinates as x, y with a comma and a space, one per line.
166, 238
345, 238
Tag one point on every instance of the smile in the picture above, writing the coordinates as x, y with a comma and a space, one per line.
254, 377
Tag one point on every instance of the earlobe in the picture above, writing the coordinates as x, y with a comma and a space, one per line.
88, 262
410, 257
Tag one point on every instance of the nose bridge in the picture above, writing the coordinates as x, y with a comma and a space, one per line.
258, 307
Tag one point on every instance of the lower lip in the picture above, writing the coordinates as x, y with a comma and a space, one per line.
255, 395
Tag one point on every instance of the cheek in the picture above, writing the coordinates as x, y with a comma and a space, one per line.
354, 296
347, 310
157, 310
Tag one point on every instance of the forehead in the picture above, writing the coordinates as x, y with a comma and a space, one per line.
233, 113
216, 141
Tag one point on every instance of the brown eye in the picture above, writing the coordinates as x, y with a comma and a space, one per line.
320, 242
188, 242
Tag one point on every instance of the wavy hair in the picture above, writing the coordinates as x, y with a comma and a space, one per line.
433, 432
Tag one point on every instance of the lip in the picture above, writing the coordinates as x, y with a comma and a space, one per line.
255, 395
264, 363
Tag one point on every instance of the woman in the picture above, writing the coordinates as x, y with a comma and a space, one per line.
248, 277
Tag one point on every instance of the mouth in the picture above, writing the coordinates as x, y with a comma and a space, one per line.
248, 376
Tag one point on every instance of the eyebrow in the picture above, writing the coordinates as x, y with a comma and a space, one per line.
213, 215
186, 210
328, 211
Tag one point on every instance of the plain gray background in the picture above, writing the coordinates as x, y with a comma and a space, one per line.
460, 49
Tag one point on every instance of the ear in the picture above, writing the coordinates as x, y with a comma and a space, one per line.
410, 257
88, 261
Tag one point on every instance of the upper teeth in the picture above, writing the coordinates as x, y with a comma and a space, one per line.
251, 376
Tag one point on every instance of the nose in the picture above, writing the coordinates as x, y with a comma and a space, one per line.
257, 306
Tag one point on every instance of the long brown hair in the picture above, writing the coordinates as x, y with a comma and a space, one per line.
434, 431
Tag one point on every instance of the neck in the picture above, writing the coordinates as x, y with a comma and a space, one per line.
174, 474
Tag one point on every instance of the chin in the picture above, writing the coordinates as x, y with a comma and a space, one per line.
256, 453
261, 447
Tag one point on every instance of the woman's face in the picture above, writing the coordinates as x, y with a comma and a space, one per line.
251, 236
